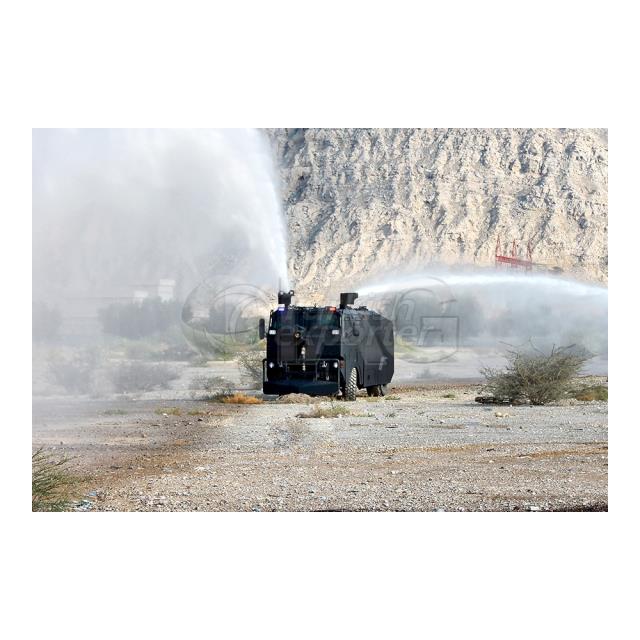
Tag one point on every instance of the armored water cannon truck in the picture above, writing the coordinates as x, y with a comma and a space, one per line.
326, 351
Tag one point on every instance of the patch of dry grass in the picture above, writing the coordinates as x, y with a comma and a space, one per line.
595, 392
240, 398
586, 450
170, 411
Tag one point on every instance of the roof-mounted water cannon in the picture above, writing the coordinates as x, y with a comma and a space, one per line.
347, 299
284, 297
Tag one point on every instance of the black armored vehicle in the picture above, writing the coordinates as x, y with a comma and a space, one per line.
326, 351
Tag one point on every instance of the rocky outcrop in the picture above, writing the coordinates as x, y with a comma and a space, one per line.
362, 201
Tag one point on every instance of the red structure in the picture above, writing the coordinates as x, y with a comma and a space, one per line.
513, 260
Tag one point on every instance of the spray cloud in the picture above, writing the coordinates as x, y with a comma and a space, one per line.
112, 208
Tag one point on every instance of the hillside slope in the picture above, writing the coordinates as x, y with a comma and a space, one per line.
361, 201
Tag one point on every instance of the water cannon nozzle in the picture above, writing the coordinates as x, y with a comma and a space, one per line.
284, 297
347, 299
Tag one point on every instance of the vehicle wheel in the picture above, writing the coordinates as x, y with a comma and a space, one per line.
374, 391
352, 386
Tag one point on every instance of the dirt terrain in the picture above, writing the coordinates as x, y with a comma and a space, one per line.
422, 448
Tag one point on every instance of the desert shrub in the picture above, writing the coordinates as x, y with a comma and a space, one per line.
539, 377
52, 484
74, 372
141, 376
45, 321
594, 392
139, 319
250, 363
213, 385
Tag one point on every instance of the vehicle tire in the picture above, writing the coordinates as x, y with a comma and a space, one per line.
351, 387
374, 391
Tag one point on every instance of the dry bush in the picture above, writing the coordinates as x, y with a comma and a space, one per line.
140, 376
215, 388
541, 378
240, 398
250, 363
211, 384
51, 483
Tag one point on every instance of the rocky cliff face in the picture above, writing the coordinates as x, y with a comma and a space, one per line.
362, 201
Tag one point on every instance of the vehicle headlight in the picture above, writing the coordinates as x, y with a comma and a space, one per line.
272, 332
335, 365
335, 332
271, 365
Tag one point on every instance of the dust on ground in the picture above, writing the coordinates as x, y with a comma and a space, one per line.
421, 448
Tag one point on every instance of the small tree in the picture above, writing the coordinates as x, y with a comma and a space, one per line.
541, 378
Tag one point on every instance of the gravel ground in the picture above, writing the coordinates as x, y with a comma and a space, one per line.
420, 449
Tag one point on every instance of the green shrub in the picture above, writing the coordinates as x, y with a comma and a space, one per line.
541, 378
52, 484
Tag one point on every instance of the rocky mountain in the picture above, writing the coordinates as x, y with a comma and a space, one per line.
362, 201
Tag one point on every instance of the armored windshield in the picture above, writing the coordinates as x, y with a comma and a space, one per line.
309, 318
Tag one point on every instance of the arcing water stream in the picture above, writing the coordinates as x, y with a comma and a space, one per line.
447, 315
114, 207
